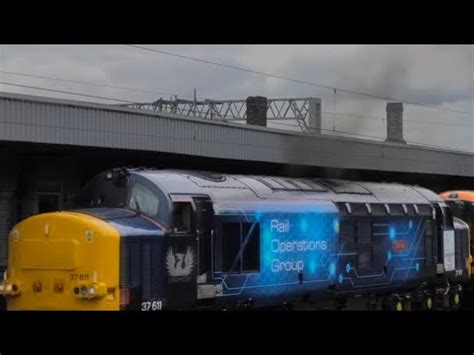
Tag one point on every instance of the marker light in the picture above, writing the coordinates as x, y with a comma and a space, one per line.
58, 287
37, 286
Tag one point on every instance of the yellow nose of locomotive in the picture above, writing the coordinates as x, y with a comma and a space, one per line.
63, 261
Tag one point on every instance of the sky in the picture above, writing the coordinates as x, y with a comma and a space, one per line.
441, 75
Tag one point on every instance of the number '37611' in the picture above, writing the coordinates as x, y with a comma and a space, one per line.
152, 306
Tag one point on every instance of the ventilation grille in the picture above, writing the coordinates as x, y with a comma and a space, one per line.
141, 265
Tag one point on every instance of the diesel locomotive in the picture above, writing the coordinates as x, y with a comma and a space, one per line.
148, 239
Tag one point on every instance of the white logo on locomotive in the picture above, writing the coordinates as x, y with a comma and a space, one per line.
180, 264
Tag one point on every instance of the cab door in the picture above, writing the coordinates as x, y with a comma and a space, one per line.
181, 261
190, 250
205, 236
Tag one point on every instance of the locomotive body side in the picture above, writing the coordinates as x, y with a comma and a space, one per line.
160, 239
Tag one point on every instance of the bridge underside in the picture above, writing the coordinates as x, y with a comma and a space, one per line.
89, 161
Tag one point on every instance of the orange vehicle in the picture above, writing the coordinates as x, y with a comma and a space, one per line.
466, 196
461, 203
462, 206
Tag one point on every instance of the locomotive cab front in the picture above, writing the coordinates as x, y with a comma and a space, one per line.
128, 247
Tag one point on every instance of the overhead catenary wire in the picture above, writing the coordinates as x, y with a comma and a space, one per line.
327, 130
382, 119
334, 113
65, 92
121, 100
313, 130
281, 77
380, 138
93, 84
273, 122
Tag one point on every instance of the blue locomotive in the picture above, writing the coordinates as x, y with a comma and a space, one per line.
199, 240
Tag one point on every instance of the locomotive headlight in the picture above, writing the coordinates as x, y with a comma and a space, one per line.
91, 291
84, 291
109, 175
10, 289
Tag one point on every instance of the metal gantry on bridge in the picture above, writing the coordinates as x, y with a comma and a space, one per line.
304, 111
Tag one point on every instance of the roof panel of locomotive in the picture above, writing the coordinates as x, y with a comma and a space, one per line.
226, 187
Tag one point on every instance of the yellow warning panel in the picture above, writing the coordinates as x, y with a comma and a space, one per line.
49, 254
63, 261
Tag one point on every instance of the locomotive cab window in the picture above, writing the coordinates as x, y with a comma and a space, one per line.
144, 199
182, 217
103, 192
